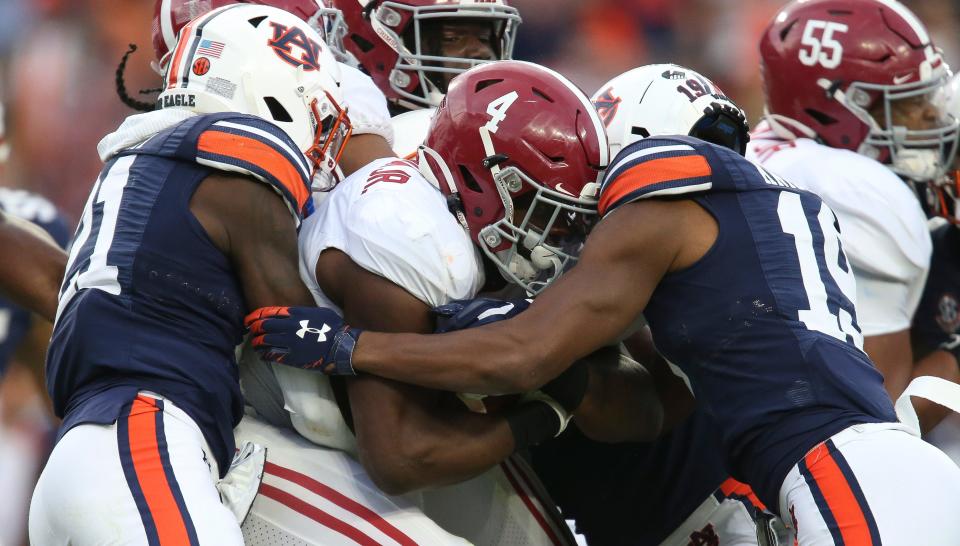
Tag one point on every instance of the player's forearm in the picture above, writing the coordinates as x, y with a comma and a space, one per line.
437, 451
486, 360
32, 276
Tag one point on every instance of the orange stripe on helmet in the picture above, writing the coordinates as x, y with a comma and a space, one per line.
148, 466
182, 45
853, 524
258, 153
651, 172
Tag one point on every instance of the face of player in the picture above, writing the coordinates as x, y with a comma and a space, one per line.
914, 113
465, 39
569, 228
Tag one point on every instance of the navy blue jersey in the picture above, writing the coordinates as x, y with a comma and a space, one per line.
15, 321
763, 324
148, 302
633, 494
938, 314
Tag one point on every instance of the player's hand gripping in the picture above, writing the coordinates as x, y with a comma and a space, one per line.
463, 314
304, 337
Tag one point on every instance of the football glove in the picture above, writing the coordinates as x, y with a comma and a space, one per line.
304, 337
463, 314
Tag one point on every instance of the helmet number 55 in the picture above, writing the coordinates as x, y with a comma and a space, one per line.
825, 50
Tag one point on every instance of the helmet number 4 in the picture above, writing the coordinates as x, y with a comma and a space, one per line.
825, 50
497, 110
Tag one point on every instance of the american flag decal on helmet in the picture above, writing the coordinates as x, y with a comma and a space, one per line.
210, 48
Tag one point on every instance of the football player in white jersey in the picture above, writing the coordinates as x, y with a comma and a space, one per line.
389, 233
852, 127
412, 48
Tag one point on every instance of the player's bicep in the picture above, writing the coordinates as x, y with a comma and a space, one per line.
253, 226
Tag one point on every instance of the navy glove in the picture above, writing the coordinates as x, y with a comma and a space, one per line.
304, 337
463, 314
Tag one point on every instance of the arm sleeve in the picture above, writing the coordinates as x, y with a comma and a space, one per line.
366, 105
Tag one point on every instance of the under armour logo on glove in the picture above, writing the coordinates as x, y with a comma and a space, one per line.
280, 334
305, 328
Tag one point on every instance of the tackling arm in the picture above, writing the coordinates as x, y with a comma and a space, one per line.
585, 309
250, 223
408, 437
32, 279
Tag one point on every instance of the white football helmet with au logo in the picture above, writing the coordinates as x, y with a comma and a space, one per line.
668, 99
267, 62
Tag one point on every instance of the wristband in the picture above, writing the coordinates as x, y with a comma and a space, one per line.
340, 360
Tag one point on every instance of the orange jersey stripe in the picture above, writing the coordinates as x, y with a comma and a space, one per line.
260, 154
840, 499
148, 467
740, 489
652, 172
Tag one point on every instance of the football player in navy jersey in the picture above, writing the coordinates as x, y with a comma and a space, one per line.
191, 223
743, 281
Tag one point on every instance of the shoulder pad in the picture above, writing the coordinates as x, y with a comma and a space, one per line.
251, 146
654, 167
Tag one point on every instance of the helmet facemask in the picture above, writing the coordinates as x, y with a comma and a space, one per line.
427, 64
332, 130
541, 232
915, 154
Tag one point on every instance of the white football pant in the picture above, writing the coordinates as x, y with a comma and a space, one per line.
319, 496
146, 479
871, 484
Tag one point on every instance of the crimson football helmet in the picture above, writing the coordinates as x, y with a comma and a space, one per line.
169, 16
387, 39
826, 64
519, 150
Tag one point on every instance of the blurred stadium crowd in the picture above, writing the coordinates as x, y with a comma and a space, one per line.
58, 61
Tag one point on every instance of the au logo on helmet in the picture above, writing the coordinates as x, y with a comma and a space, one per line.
288, 41
607, 105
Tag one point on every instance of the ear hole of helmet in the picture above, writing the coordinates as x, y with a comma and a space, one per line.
821, 118
255, 22
277, 111
469, 180
640, 131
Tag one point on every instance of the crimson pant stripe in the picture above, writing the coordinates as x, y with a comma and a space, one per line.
316, 514
340, 500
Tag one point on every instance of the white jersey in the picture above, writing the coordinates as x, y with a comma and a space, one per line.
366, 105
393, 223
410, 129
882, 227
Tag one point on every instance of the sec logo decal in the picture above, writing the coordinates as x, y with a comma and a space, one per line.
201, 66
